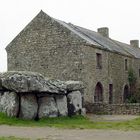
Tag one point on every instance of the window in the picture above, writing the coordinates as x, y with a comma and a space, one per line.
110, 93
99, 60
0, 84
126, 64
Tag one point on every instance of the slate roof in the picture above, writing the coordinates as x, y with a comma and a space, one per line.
94, 38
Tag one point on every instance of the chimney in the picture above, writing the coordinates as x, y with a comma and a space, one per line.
104, 31
134, 43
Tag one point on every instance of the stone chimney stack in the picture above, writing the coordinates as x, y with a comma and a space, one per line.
104, 31
134, 43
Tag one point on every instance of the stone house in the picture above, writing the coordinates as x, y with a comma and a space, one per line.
68, 52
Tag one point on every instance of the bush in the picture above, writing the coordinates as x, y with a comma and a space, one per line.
134, 95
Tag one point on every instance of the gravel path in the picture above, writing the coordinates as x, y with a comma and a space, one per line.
67, 134
47, 133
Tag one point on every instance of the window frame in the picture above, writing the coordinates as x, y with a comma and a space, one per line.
98, 60
126, 64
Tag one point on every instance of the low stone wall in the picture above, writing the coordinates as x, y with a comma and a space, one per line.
29, 95
110, 109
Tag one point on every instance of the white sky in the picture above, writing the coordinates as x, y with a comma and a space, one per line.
121, 16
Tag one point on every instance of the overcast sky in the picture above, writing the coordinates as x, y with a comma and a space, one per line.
121, 16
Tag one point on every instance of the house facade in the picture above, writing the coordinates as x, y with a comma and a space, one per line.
68, 52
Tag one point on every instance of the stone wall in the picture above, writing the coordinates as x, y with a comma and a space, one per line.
47, 47
117, 109
118, 76
29, 95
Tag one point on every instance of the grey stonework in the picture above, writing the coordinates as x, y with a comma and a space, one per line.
74, 85
21, 96
9, 103
64, 51
23, 81
112, 109
61, 102
74, 102
104, 31
28, 106
47, 107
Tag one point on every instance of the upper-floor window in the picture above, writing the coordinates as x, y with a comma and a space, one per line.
99, 60
126, 64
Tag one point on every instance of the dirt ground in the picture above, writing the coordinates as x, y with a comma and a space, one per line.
67, 134
47, 133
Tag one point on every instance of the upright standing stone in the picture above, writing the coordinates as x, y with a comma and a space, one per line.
61, 102
47, 107
9, 103
28, 106
74, 103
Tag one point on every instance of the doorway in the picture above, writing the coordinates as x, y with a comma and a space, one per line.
98, 96
126, 94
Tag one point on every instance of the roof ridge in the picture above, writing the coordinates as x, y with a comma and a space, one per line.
120, 42
115, 41
85, 34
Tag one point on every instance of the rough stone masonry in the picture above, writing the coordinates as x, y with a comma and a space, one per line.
29, 95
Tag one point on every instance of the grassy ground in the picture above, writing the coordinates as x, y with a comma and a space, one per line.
15, 138
73, 122
12, 138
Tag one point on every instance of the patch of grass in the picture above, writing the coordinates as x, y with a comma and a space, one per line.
12, 138
79, 122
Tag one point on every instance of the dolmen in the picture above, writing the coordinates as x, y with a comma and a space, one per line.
30, 95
